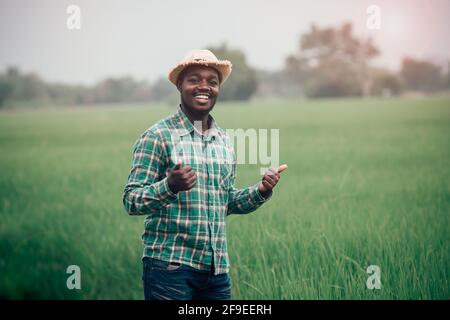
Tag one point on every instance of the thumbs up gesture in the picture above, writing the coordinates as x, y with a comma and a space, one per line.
270, 180
181, 178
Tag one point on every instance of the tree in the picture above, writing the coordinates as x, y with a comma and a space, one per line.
33, 87
163, 90
385, 82
123, 89
18, 87
332, 62
421, 75
243, 82
6, 90
276, 84
448, 75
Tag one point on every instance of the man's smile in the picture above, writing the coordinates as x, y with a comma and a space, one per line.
202, 97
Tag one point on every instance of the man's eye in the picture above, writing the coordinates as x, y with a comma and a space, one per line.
213, 82
194, 80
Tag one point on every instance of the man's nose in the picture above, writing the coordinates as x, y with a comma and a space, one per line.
203, 84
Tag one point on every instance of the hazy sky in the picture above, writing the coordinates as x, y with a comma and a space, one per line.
145, 38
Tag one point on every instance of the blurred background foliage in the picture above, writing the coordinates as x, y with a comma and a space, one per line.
330, 62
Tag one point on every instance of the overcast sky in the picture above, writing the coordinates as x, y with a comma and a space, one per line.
144, 38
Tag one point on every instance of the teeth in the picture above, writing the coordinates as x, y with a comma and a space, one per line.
202, 97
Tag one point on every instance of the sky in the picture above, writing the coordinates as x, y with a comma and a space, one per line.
144, 39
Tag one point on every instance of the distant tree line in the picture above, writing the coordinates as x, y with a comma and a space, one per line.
330, 62
18, 88
28, 88
334, 62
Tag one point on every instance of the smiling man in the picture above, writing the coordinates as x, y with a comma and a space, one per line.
182, 179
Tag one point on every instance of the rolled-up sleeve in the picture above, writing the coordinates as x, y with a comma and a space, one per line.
244, 200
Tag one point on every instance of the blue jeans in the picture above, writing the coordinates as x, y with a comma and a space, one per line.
174, 281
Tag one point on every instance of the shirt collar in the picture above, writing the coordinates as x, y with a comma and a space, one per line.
185, 126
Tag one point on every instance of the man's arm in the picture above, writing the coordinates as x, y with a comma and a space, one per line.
245, 200
147, 189
249, 199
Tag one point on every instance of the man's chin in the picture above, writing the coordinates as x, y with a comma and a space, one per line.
203, 108
198, 108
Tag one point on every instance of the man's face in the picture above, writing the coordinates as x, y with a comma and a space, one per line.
199, 87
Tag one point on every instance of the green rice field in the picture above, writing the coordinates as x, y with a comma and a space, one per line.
368, 183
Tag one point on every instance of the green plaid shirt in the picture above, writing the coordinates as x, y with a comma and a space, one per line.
187, 227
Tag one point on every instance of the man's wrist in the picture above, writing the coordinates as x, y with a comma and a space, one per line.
265, 194
171, 188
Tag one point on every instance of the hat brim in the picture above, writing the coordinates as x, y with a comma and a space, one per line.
222, 66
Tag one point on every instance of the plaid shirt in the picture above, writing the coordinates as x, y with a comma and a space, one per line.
187, 227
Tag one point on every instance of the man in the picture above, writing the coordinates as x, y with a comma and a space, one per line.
182, 179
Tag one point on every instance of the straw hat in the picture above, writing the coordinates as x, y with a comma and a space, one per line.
204, 58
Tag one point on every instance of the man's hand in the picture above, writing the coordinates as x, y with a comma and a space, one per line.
270, 180
181, 178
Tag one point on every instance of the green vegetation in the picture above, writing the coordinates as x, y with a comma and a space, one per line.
368, 184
